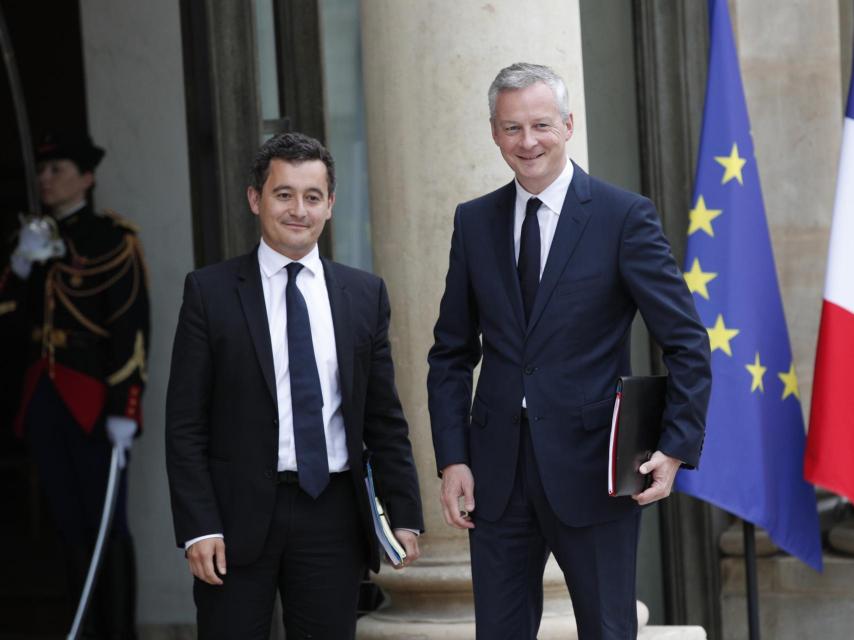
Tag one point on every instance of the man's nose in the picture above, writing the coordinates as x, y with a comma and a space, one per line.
299, 208
529, 140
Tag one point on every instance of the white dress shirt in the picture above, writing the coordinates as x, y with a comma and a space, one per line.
311, 283
548, 214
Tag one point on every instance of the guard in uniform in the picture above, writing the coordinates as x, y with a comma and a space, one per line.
87, 306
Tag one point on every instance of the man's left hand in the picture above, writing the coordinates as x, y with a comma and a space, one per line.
663, 469
410, 544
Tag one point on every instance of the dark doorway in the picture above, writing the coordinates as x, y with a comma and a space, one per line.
46, 44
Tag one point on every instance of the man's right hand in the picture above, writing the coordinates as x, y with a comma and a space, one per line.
203, 556
457, 481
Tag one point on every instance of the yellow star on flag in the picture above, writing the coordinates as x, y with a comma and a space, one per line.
732, 165
719, 336
757, 371
790, 380
701, 218
697, 279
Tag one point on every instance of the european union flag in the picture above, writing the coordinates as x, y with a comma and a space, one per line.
753, 453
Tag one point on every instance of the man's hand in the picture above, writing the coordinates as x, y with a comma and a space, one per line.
663, 469
457, 481
202, 555
410, 544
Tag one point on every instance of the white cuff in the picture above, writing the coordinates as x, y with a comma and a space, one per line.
190, 543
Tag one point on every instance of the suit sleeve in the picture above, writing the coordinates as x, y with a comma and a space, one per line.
656, 284
194, 505
386, 432
456, 351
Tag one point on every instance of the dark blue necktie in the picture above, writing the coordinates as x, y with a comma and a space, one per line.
306, 397
529, 256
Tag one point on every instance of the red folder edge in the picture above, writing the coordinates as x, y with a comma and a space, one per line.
612, 449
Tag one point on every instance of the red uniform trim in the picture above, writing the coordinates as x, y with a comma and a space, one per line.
84, 396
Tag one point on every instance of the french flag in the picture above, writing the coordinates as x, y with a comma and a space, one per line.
829, 457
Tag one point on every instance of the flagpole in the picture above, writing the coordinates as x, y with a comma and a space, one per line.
750, 580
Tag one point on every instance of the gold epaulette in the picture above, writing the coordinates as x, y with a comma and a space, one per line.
119, 221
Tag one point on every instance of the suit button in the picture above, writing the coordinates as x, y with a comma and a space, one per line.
515, 418
268, 474
537, 418
529, 370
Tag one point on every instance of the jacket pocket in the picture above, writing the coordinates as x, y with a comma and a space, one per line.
478, 412
566, 287
597, 415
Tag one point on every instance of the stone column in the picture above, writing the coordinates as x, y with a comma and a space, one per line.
427, 67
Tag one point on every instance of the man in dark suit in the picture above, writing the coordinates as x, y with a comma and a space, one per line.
545, 277
281, 378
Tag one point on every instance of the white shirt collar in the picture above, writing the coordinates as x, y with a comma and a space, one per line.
272, 262
554, 194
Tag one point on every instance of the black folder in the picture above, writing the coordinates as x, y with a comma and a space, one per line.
635, 430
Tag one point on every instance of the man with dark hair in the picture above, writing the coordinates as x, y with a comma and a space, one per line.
546, 275
79, 281
281, 383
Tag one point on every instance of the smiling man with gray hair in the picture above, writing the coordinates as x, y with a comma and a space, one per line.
545, 277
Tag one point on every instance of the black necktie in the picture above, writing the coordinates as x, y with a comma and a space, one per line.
529, 256
306, 398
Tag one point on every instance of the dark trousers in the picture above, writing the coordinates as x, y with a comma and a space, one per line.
314, 556
73, 468
509, 556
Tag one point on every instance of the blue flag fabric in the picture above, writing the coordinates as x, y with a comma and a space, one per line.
753, 453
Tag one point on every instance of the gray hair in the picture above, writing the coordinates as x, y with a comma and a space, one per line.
522, 75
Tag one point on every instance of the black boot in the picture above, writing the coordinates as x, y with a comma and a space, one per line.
116, 592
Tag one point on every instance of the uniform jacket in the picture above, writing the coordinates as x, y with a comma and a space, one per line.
87, 315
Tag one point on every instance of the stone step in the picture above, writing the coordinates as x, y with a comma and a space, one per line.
656, 632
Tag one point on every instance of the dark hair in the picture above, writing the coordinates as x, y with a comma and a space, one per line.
290, 147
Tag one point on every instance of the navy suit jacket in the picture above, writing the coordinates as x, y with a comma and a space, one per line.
222, 429
609, 258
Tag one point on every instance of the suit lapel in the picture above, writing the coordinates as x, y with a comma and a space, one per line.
573, 219
252, 299
506, 252
339, 303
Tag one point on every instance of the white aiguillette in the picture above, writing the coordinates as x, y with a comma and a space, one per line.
635, 430
393, 549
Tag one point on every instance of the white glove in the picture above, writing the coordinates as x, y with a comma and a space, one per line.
120, 431
38, 241
20, 266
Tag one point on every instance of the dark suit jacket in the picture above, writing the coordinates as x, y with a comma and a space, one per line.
608, 259
222, 420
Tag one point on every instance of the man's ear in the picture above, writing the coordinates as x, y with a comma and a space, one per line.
253, 197
88, 179
331, 203
569, 127
493, 128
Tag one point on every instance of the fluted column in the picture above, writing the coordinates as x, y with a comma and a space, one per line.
427, 67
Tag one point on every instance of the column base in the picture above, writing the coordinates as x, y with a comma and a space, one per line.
433, 600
